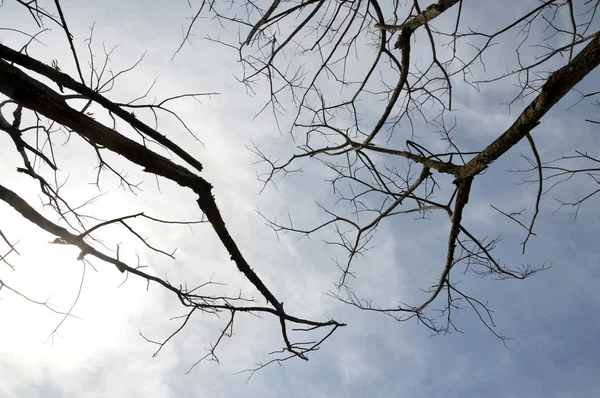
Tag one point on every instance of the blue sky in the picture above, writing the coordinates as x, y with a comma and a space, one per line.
551, 317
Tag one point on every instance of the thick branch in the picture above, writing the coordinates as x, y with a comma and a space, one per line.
557, 86
66, 237
38, 97
462, 198
65, 80
431, 12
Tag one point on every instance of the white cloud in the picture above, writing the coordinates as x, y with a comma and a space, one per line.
102, 355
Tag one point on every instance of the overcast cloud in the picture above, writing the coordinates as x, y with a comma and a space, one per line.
552, 317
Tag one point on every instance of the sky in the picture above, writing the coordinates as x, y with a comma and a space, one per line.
551, 317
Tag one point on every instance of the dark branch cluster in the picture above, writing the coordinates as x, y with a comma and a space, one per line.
36, 112
366, 90
325, 63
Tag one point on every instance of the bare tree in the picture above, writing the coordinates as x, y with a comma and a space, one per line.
330, 61
41, 105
